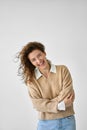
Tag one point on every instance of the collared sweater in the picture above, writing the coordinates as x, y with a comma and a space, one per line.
46, 93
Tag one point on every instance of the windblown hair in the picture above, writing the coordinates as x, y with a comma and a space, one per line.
26, 68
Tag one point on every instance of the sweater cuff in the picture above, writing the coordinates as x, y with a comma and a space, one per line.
61, 106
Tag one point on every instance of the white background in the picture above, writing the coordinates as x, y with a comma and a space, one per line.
61, 25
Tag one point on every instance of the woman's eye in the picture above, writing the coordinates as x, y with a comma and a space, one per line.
33, 60
39, 55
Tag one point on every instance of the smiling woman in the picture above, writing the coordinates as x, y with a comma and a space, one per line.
50, 88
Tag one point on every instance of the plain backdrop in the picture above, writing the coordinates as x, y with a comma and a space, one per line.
61, 25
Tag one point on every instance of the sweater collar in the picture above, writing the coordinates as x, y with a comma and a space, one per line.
38, 73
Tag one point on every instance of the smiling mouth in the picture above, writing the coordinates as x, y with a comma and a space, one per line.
41, 64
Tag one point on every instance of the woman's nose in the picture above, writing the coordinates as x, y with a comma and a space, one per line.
38, 61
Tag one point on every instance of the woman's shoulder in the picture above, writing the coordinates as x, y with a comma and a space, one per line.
61, 66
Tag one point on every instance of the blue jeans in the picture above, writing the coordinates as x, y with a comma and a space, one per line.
66, 123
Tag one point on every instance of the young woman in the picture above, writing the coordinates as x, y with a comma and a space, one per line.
50, 88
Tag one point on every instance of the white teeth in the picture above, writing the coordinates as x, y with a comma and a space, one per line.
41, 63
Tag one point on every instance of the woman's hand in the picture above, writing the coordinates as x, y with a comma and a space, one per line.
69, 99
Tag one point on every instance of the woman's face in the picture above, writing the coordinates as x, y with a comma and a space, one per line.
38, 59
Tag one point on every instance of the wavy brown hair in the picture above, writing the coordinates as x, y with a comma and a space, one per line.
26, 68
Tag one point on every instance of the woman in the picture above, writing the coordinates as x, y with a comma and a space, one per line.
50, 88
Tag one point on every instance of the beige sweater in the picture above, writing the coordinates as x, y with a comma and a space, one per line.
46, 93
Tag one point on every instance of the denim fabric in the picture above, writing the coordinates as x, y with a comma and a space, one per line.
67, 123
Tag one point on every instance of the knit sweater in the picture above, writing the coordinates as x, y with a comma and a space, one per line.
46, 93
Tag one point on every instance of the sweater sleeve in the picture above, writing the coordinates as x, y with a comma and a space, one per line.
66, 83
41, 104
